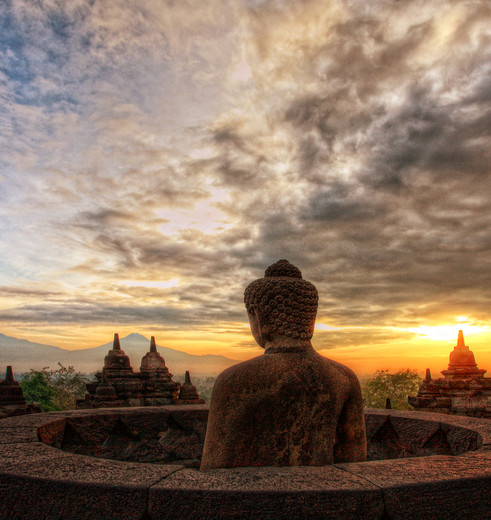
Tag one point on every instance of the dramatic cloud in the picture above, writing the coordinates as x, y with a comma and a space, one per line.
157, 156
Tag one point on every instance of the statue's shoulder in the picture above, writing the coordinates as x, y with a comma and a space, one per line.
238, 370
241, 376
342, 370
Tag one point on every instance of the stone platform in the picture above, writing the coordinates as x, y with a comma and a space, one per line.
56, 466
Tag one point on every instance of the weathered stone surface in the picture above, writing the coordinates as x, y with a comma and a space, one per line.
385, 443
154, 434
461, 440
184, 435
414, 434
400, 435
53, 432
290, 406
286, 478
48, 499
38, 481
430, 487
265, 493
373, 423
25, 428
480, 427
60, 465
15, 435
14, 455
69, 486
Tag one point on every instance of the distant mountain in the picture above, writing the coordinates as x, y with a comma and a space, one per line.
24, 355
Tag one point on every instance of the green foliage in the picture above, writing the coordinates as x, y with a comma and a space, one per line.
37, 389
397, 387
54, 389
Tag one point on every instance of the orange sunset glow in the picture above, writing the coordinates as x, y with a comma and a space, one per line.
156, 157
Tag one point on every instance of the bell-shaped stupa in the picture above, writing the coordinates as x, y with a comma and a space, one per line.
158, 387
118, 372
462, 362
153, 363
188, 393
12, 400
463, 390
10, 391
105, 394
118, 385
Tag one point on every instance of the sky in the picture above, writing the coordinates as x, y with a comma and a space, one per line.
156, 156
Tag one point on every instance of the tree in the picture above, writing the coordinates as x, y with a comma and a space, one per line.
69, 385
397, 387
54, 389
37, 388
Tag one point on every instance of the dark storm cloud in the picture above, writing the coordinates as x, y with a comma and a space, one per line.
394, 144
343, 202
445, 143
25, 291
98, 312
352, 138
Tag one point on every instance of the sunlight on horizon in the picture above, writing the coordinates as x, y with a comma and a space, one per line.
448, 332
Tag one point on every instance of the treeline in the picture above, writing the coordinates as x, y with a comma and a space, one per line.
59, 389
396, 386
54, 390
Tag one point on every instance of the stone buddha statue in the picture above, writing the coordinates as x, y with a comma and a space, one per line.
291, 406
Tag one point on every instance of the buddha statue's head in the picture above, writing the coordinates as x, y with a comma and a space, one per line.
281, 304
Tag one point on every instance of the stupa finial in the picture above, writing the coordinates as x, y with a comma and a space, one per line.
116, 344
153, 346
460, 340
9, 376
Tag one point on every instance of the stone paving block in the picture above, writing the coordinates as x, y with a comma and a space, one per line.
21, 434
38, 481
80, 468
434, 487
265, 493
25, 498
31, 420
14, 455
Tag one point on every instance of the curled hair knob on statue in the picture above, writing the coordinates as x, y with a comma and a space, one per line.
285, 303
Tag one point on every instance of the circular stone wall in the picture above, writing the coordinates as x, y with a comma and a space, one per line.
438, 468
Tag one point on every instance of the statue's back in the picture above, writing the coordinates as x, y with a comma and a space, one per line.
277, 410
290, 406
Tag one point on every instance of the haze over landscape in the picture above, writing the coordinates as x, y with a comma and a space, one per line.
156, 157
